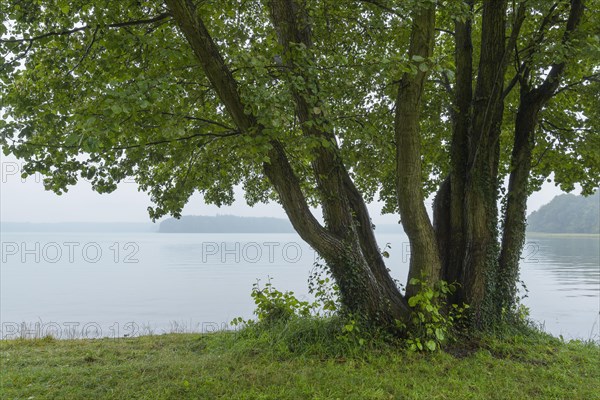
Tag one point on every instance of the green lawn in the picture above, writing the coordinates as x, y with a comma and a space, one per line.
234, 366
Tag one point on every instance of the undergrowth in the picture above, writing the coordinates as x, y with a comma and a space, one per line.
323, 326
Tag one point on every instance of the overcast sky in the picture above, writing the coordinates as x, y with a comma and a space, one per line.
29, 202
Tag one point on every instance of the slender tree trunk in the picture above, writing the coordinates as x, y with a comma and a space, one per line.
513, 236
531, 103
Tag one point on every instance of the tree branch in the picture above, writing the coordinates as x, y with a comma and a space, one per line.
586, 79
189, 117
290, 20
86, 52
134, 146
278, 169
550, 84
382, 5
86, 27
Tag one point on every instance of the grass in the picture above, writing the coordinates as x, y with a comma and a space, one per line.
301, 362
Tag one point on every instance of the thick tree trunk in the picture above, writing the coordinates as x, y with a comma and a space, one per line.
449, 204
424, 258
465, 208
480, 179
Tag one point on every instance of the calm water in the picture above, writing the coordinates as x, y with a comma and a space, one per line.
90, 284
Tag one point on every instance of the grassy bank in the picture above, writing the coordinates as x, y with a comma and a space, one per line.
238, 366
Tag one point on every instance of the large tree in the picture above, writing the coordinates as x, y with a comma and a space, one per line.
322, 104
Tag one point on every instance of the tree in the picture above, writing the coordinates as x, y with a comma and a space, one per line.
567, 213
320, 104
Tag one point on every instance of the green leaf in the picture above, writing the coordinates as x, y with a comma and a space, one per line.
431, 345
413, 301
439, 334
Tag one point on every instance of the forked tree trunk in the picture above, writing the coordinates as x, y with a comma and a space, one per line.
465, 207
347, 241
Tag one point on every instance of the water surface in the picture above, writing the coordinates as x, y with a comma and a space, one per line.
103, 284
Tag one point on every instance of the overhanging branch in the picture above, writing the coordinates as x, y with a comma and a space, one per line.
86, 27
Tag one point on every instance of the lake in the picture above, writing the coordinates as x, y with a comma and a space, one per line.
125, 284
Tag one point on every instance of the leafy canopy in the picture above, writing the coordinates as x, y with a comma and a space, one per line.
106, 90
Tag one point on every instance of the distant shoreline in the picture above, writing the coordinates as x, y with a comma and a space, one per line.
227, 224
236, 225
141, 227
548, 234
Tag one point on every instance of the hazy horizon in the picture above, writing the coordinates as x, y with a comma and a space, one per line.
26, 201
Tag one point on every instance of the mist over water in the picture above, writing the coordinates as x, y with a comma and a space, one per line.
89, 284
562, 275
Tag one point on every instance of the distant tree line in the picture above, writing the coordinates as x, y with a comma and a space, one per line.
567, 213
225, 224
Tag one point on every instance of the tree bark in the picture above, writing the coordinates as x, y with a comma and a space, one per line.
481, 173
449, 204
424, 261
513, 236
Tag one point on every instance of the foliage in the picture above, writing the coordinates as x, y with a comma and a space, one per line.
274, 306
322, 286
104, 100
301, 326
433, 320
